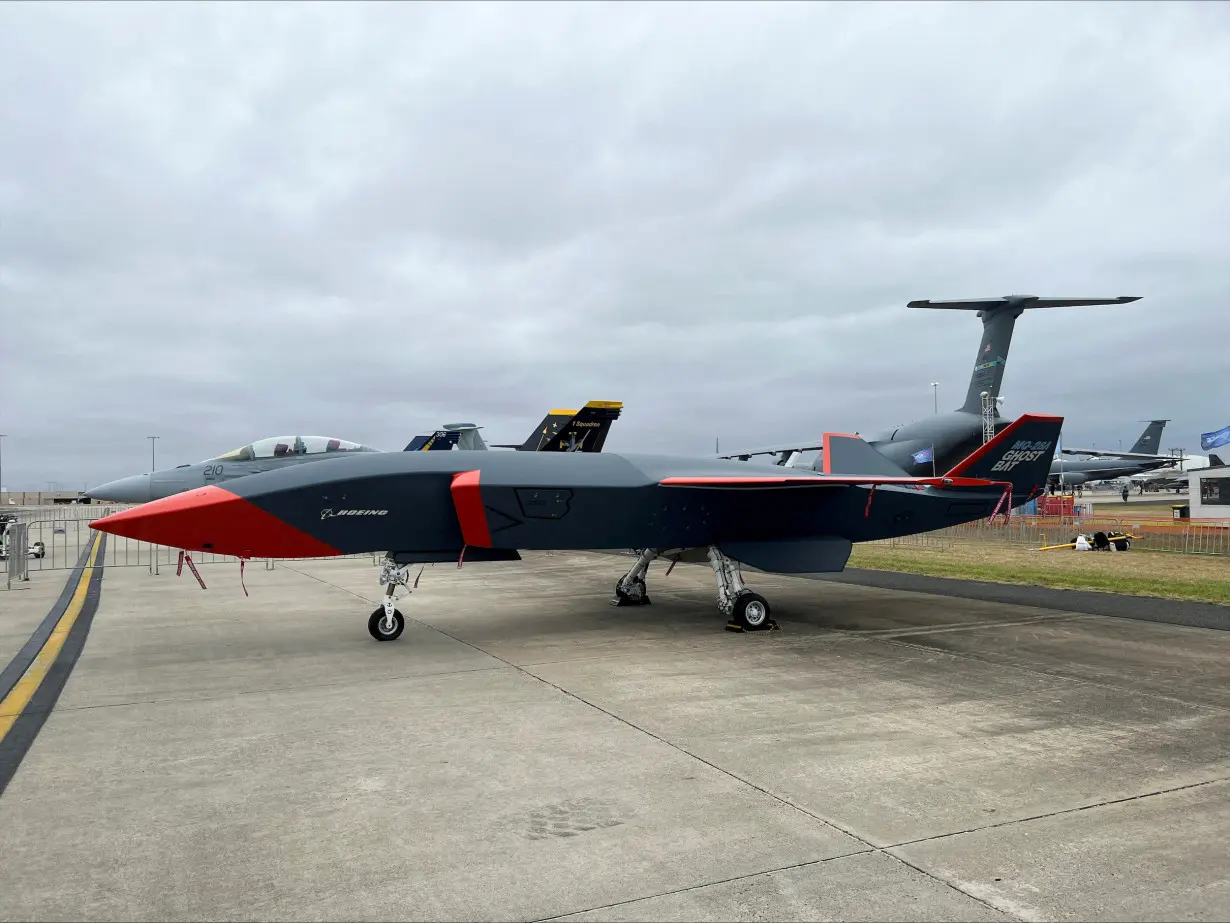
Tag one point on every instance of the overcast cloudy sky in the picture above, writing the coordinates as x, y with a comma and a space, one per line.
220, 222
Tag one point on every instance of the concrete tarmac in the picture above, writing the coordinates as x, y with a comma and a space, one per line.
527, 751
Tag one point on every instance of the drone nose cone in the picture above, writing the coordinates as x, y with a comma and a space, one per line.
135, 489
213, 519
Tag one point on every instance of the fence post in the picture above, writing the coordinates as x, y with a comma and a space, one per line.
17, 538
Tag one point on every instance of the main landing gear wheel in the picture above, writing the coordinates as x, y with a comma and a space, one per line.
384, 629
751, 613
637, 594
745, 610
631, 590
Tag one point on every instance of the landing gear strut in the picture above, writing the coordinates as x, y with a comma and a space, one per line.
746, 611
631, 589
386, 623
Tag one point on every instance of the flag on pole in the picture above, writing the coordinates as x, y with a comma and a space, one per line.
924, 455
1215, 439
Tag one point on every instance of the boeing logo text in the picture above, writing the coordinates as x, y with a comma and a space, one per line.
330, 514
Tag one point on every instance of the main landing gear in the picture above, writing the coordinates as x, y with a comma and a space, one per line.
386, 623
745, 610
631, 589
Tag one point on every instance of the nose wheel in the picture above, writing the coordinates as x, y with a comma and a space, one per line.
386, 623
385, 627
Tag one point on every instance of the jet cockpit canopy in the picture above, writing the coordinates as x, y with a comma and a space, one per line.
288, 446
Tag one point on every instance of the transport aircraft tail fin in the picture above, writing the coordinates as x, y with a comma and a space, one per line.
1150, 439
998, 319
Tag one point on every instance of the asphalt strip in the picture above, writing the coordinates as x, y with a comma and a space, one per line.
1088, 602
21, 734
21, 662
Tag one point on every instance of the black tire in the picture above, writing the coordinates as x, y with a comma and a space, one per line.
375, 625
638, 597
751, 612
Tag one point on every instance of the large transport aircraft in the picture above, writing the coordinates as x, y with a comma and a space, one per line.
939, 442
432, 507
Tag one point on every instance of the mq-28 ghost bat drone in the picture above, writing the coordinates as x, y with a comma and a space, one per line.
430, 507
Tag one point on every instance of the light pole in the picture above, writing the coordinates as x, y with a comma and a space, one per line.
935, 397
151, 453
2, 435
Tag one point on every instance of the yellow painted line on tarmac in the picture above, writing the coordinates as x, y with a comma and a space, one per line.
17, 700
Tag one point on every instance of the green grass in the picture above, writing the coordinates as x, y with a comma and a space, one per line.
1135, 573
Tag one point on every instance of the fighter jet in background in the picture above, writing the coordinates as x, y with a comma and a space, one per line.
255, 457
1107, 465
1144, 447
489, 506
1178, 478
937, 443
442, 440
583, 430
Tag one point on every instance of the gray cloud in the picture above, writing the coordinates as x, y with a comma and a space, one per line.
225, 221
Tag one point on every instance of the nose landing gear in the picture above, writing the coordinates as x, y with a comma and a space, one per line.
386, 623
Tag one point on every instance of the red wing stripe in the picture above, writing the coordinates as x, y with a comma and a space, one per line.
468, 502
700, 481
831, 480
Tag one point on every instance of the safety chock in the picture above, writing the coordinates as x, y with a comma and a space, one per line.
769, 625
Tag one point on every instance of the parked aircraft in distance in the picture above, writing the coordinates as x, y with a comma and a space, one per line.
936, 443
1108, 465
1178, 478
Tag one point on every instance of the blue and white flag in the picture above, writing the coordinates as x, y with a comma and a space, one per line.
924, 455
1213, 440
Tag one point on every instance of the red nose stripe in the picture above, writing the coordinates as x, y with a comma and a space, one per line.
213, 519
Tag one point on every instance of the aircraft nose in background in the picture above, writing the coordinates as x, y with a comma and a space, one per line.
135, 489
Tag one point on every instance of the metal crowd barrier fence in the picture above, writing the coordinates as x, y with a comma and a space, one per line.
57, 535
1177, 536
57, 544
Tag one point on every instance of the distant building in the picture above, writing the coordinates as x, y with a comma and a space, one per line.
40, 497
